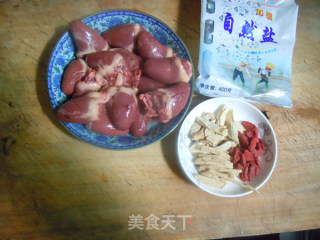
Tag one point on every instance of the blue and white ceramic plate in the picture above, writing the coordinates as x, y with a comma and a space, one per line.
64, 53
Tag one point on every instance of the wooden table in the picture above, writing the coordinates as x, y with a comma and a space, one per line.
53, 186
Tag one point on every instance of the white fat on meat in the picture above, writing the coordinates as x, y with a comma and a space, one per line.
105, 70
96, 98
170, 52
113, 90
169, 96
119, 80
128, 91
88, 40
183, 75
136, 30
87, 87
84, 65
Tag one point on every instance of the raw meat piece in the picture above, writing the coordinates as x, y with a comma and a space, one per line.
88, 84
122, 107
103, 124
168, 70
82, 109
163, 104
140, 123
76, 70
133, 61
122, 36
149, 47
86, 39
147, 84
112, 69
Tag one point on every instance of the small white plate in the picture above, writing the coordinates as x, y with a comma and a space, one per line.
243, 111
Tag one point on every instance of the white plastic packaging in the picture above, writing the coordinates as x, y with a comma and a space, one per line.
246, 50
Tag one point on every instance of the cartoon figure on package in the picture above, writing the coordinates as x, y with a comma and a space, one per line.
265, 73
238, 71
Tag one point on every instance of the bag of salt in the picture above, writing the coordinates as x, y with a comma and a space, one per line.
246, 50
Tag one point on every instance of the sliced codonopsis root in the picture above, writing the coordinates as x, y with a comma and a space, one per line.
123, 36
75, 72
168, 70
86, 39
163, 104
149, 47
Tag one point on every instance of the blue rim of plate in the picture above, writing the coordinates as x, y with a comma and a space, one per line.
63, 54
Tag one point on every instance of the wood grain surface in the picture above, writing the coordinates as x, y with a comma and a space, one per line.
53, 186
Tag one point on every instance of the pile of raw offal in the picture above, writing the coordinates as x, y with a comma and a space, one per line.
122, 79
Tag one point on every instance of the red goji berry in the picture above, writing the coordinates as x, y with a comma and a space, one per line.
236, 155
243, 139
246, 158
252, 172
